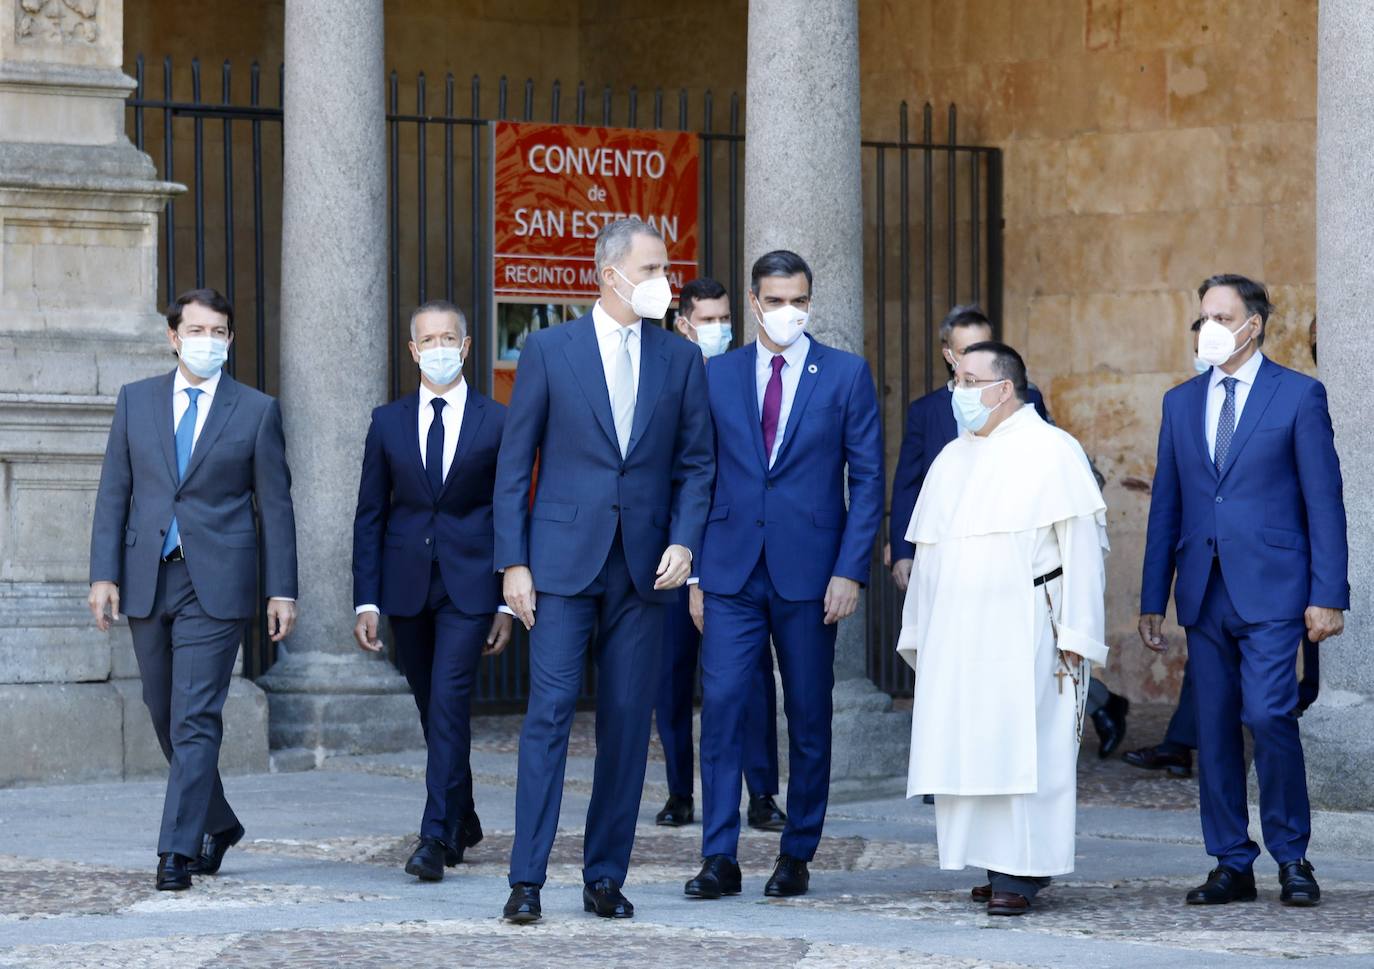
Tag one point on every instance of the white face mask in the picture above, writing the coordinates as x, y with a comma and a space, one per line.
1216, 343
650, 299
970, 413
713, 339
1201, 365
441, 364
203, 355
784, 325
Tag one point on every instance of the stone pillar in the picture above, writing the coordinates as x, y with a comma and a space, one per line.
78, 318
326, 695
803, 191
1338, 731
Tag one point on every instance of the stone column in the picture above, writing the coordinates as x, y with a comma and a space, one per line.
326, 695
803, 191
1338, 731
78, 318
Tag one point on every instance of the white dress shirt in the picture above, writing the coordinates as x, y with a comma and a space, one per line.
1216, 395
455, 402
182, 400
608, 341
794, 357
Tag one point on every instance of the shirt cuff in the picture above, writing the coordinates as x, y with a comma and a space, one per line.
367, 607
694, 580
281, 599
506, 609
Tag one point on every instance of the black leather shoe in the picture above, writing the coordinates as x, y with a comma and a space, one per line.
765, 815
677, 812
719, 876
1224, 885
603, 897
1300, 889
212, 851
1110, 721
427, 863
1178, 762
789, 878
469, 834
522, 907
172, 874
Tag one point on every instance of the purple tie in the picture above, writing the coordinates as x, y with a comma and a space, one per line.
772, 407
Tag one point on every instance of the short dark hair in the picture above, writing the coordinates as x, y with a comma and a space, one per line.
1006, 364
694, 292
1197, 325
969, 314
1251, 292
779, 262
209, 298
439, 306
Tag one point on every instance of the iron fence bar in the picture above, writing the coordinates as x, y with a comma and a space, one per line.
606, 106
501, 93
581, 102
708, 229
994, 243
658, 107
682, 109
138, 108
229, 288
928, 255
904, 247
421, 227
190, 109
394, 211
555, 96
736, 295
479, 322
259, 302
448, 190
952, 192
632, 116
529, 99
198, 171
975, 261
169, 174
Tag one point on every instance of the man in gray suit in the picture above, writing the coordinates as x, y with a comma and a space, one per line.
195, 466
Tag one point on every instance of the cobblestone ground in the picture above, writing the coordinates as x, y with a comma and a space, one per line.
318, 883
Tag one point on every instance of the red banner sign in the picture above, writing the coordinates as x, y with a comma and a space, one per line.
557, 185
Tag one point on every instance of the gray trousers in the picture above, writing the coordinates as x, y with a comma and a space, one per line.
1027, 885
186, 659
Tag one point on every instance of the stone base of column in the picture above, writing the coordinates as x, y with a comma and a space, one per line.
1338, 746
870, 742
330, 704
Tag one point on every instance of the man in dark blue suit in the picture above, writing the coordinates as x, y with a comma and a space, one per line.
929, 427
1247, 522
782, 558
611, 408
422, 554
704, 318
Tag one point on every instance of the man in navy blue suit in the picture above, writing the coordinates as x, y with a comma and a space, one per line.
929, 427
422, 554
611, 408
704, 318
1247, 522
782, 558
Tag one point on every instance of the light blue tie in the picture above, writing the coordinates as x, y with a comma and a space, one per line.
186, 437
1226, 424
623, 392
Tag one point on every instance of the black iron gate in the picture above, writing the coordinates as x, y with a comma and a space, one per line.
438, 209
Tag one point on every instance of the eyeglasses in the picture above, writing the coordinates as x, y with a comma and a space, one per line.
974, 382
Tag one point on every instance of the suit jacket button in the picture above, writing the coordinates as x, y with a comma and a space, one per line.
615, 508
759, 523
426, 541
1209, 541
1218, 499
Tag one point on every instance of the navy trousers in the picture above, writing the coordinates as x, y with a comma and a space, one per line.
626, 632
738, 629
673, 711
439, 650
1246, 674
1181, 734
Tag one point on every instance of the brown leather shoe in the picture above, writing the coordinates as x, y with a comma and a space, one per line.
1008, 903
982, 894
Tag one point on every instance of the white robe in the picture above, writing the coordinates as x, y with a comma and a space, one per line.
993, 737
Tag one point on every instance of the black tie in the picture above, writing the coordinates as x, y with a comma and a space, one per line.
434, 448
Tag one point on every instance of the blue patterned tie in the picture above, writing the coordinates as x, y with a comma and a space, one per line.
1226, 424
186, 439
434, 448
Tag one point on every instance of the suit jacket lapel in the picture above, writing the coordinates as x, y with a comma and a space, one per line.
1261, 392
410, 410
164, 422
811, 373
749, 388
473, 411
653, 367
1198, 406
585, 356
221, 406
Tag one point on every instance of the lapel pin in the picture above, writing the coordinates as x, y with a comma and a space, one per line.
813, 369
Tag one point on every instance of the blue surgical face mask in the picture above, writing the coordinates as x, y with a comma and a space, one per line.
713, 339
203, 355
1201, 365
441, 364
970, 413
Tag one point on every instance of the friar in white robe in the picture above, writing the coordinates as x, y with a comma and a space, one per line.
1009, 524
